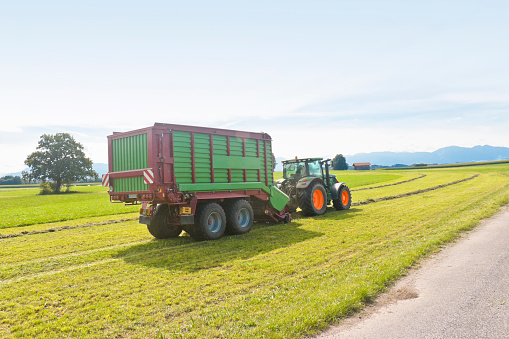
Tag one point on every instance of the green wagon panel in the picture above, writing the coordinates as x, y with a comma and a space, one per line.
182, 156
235, 162
224, 165
221, 175
269, 164
202, 157
219, 142
130, 153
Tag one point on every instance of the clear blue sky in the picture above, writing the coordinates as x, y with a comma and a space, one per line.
321, 77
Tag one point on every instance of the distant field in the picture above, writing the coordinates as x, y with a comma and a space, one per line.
355, 179
18, 186
465, 164
37, 185
24, 206
104, 277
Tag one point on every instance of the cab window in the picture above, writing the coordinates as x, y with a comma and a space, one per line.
293, 170
314, 168
289, 170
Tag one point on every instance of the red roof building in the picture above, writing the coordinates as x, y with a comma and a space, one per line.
362, 166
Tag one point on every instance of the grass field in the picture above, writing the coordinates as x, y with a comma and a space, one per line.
24, 206
101, 275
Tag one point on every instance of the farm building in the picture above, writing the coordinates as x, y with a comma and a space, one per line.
362, 166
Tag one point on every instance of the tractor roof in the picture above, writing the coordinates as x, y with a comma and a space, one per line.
300, 160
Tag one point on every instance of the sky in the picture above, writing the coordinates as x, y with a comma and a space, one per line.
321, 77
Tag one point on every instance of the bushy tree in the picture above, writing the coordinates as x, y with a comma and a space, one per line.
339, 163
59, 158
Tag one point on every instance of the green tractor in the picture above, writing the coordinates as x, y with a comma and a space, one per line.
311, 187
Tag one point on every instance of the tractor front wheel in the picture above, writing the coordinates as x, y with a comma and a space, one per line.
344, 200
160, 226
313, 199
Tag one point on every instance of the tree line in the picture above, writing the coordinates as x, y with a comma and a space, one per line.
11, 180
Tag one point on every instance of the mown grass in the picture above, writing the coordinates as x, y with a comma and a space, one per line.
430, 180
278, 281
355, 179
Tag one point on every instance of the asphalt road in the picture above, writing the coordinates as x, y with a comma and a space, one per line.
462, 292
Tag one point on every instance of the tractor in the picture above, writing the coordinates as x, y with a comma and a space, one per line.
310, 186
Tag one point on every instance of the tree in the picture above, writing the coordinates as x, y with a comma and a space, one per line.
59, 158
339, 163
10, 180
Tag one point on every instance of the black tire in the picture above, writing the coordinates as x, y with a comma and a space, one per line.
239, 217
344, 200
160, 226
209, 222
313, 199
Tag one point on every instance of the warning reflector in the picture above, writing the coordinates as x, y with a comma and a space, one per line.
148, 176
106, 180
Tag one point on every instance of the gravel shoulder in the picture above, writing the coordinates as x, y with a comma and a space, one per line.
461, 292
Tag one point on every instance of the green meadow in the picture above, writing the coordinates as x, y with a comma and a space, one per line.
76, 265
24, 206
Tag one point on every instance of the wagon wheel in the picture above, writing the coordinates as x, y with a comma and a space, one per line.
209, 222
239, 217
160, 226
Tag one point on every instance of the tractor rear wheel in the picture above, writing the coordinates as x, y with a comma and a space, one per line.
313, 199
344, 200
209, 222
160, 226
239, 217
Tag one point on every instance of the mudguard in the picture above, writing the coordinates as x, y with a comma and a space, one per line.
335, 190
278, 199
305, 182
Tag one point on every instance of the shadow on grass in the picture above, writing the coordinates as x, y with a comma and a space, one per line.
331, 214
185, 254
62, 193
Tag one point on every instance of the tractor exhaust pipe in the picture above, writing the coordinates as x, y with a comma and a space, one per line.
327, 176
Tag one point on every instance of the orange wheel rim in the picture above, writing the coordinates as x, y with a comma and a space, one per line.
318, 199
345, 198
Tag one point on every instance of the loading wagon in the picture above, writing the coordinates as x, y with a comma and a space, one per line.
205, 181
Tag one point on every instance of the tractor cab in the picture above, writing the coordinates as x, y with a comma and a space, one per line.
297, 169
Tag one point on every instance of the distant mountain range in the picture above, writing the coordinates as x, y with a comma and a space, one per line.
446, 155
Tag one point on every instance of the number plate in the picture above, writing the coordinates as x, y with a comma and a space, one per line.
185, 210
132, 196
